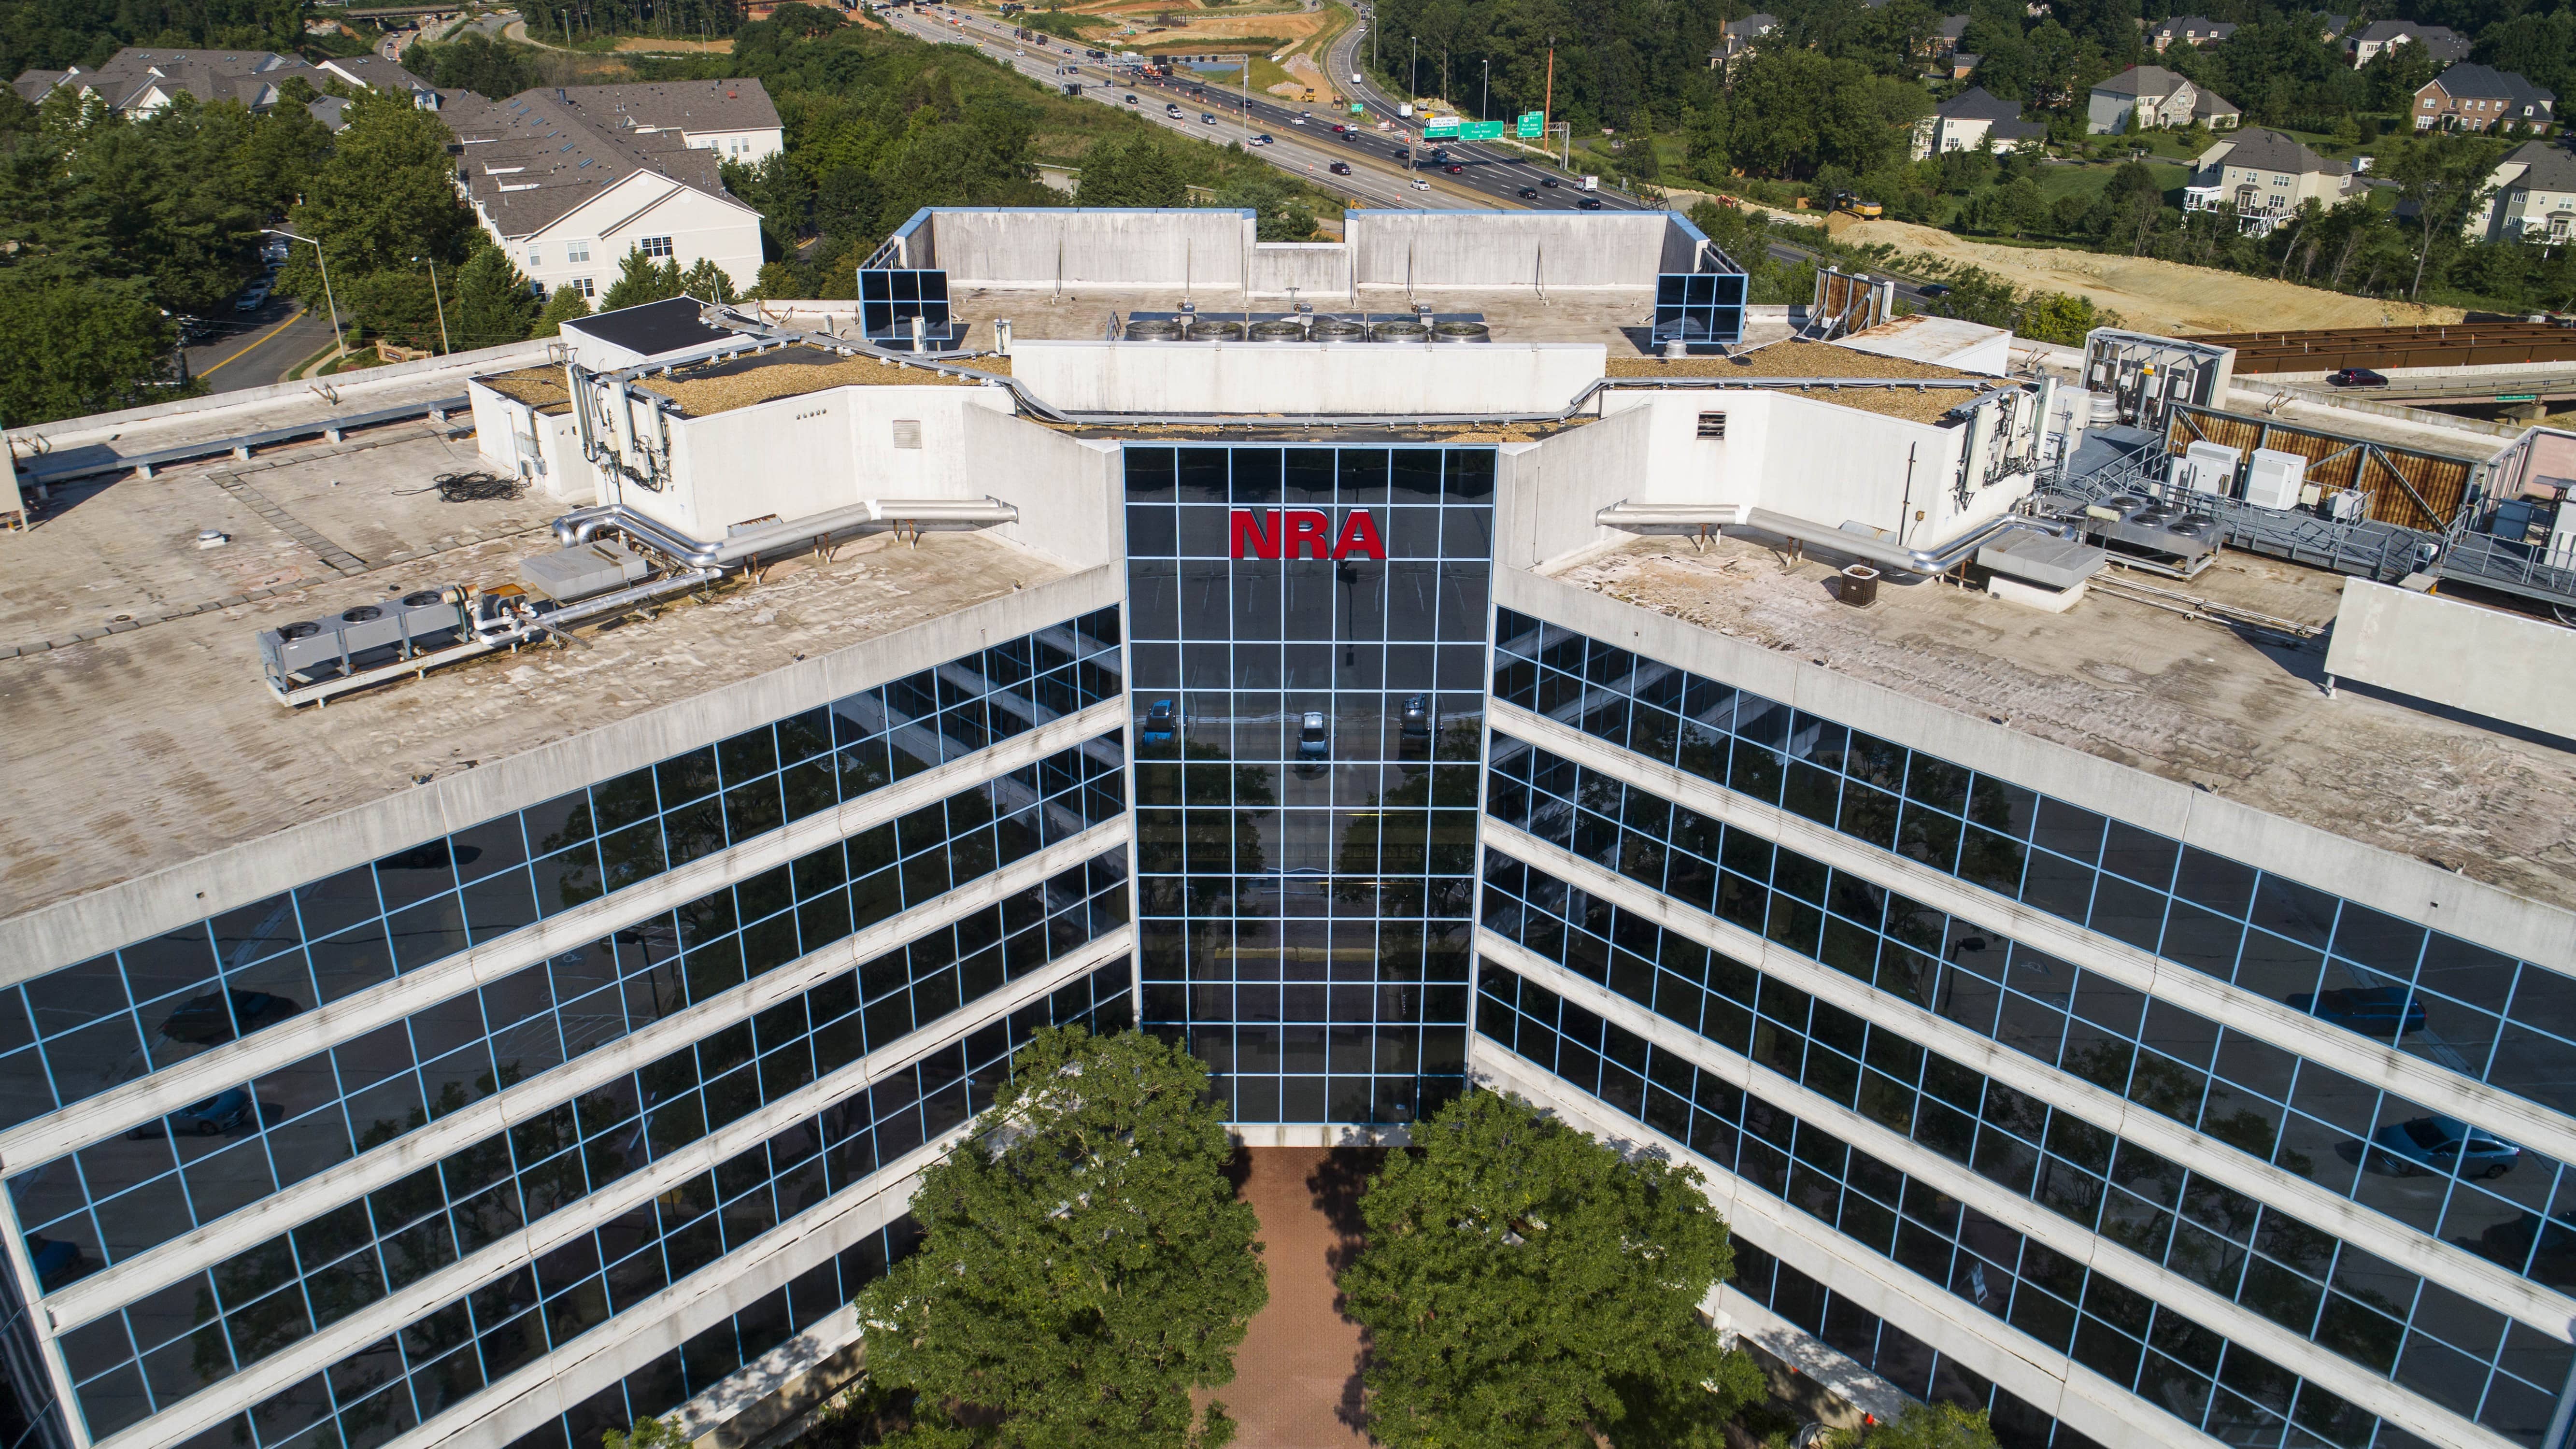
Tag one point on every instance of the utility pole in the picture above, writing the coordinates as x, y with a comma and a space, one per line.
1547, 105
444, 346
1413, 67
1485, 103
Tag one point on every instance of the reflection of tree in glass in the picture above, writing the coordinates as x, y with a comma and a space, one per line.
1992, 859
1210, 833
2162, 1085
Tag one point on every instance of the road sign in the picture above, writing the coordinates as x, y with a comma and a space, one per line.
2518, 397
1437, 127
1481, 131
1358, 110
1533, 125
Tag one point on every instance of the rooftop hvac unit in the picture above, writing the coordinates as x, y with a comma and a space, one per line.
1400, 331
1340, 329
1206, 331
1461, 332
2273, 479
2206, 468
1153, 330
1278, 332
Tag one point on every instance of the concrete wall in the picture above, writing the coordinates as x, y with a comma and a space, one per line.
1099, 247
1569, 249
2504, 666
1069, 490
798, 456
1294, 377
1547, 492
1315, 269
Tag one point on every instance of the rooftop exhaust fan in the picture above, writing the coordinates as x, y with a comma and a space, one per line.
1340, 329
1461, 332
1212, 331
1277, 332
1153, 330
1400, 331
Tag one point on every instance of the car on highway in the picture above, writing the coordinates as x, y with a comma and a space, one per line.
1455, 169
2443, 1145
1351, 136
1015, 50
1421, 185
1260, 140
1297, 120
1933, 289
1207, 118
1548, 181
1172, 109
1527, 193
1341, 168
2355, 377
2386, 1012
1439, 153
1131, 100
1589, 203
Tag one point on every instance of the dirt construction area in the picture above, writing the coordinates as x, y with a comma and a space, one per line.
2153, 296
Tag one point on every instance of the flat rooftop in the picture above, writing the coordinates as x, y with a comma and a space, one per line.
159, 742
2141, 686
727, 383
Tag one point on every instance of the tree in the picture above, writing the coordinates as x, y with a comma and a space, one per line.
642, 280
565, 305
1084, 1263
657, 1433
74, 347
2443, 176
494, 303
387, 195
1933, 1426
708, 282
1136, 173
1523, 1284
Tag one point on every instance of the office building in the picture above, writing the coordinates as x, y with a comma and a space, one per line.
472, 985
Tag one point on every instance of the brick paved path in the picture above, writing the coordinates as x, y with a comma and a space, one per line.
1296, 1379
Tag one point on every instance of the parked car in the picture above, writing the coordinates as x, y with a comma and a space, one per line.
204, 1020
1589, 203
1162, 723
2386, 1012
253, 298
1417, 722
1314, 742
2356, 377
1341, 168
2445, 1145
218, 1114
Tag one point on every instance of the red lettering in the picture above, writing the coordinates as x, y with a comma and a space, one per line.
1248, 530
1309, 529
1359, 535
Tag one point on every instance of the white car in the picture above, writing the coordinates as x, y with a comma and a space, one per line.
1261, 140
1421, 185
1298, 119
1313, 741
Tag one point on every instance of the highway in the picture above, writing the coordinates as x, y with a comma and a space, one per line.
1303, 143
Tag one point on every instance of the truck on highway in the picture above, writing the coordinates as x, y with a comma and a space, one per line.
1590, 183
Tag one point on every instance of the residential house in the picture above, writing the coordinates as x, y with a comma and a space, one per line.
1737, 39
2266, 177
2150, 97
1946, 35
1971, 119
2190, 30
1962, 64
2482, 98
570, 179
138, 81
2531, 197
2330, 27
2439, 42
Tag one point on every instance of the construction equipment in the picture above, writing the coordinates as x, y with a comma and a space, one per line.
1850, 204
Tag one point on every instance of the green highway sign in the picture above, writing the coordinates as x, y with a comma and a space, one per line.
1482, 131
1358, 110
1436, 127
2518, 397
1533, 125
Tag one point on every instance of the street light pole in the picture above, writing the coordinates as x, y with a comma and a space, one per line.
444, 346
1485, 102
1413, 67
339, 346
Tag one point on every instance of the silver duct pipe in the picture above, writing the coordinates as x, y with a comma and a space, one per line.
1926, 561
583, 524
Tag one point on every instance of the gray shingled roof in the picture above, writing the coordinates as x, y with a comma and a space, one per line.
248, 76
530, 160
721, 105
1978, 104
2267, 150
2484, 82
2185, 25
2141, 80
2548, 166
2439, 41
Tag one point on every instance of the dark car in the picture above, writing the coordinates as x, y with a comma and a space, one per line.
2381, 1011
2356, 377
218, 1114
1417, 722
202, 1019
1352, 136
2444, 1145
1934, 289
1527, 193
1590, 203
1162, 721
1341, 168
1439, 153
1455, 168
1547, 181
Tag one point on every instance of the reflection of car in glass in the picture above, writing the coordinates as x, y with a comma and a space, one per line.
201, 1019
1417, 721
220, 1113
2380, 1011
1162, 721
56, 1262
2442, 1144
1313, 742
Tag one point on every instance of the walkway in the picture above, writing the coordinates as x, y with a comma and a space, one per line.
1296, 1382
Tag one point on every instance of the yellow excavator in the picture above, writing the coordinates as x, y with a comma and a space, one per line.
1850, 204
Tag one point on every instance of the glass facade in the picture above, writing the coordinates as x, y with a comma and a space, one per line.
1308, 632
2304, 1118
117, 1197
2460, 1006
442, 1357
2383, 1318
76, 1032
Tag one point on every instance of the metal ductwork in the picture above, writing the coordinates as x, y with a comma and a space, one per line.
582, 525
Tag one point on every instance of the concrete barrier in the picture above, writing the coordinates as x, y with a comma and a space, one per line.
2504, 666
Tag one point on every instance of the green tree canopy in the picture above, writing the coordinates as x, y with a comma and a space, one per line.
565, 305
1933, 1426
388, 193
1130, 173
493, 303
640, 280
69, 347
1524, 1284
1084, 1263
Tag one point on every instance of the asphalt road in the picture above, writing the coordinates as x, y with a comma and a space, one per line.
1302, 140
254, 349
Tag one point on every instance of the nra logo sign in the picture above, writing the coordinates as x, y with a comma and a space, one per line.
1305, 533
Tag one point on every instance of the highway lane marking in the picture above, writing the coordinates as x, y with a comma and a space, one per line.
298, 316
